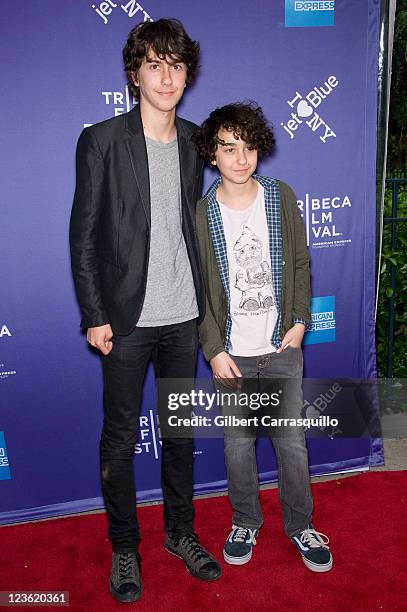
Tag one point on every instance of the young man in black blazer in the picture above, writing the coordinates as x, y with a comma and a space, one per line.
136, 271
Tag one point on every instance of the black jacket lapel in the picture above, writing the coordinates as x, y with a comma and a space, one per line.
136, 146
187, 162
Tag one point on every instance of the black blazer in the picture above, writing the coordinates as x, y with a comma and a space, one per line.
111, 221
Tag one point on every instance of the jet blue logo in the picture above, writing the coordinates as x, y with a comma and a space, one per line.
323, 328
309, 14
4, 466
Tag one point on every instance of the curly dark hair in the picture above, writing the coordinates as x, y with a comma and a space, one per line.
247, 122
166, 37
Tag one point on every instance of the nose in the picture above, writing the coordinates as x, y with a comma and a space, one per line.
242, 158
166, 78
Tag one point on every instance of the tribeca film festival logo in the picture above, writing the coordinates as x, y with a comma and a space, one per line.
304, 111
122, 102
148, 436
320, 215
149, 440
104, 9
309, 13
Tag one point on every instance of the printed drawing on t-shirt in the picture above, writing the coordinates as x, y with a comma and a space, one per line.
253, 277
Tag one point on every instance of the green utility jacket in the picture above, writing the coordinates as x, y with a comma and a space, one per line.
295, 292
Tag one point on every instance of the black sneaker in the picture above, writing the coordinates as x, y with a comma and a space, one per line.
238, 548
313, 547
125, 581
198, 561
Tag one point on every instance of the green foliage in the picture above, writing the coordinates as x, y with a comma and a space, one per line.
397, 141
393, 259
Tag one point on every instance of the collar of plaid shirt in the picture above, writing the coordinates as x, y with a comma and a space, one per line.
272, 206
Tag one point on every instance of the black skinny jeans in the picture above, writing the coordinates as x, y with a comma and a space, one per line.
173, 349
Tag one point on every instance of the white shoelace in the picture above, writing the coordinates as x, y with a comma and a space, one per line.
310, 537
239, 534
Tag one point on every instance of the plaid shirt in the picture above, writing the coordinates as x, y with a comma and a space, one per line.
272, 206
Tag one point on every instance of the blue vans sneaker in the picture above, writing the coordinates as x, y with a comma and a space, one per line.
313, 547
238, 547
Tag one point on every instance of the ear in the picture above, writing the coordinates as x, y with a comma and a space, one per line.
213, 162
134, 78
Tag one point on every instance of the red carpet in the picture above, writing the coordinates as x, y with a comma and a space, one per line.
364, 516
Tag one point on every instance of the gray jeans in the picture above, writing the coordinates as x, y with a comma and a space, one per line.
291, 452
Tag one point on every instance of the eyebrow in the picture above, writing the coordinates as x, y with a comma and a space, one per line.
223, 143
150, 60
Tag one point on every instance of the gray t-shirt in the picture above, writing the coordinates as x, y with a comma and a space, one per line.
170, 292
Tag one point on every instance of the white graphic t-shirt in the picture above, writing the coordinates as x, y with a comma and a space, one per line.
253, 305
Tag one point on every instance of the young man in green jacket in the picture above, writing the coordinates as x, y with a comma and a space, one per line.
256, 272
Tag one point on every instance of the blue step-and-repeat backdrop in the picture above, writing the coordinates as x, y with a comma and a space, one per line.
312, 66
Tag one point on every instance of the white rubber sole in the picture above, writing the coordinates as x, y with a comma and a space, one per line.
316, 567
238, 560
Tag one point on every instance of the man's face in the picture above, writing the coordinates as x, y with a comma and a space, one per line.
161, 82
235, 159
